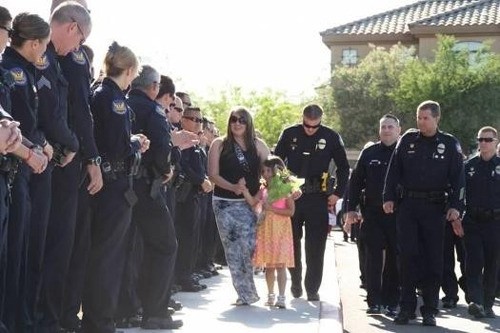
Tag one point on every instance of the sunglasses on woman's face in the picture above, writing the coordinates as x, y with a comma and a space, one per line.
235, 119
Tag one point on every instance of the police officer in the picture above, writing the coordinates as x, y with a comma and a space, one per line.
427, 165
70, 25
65, 182
378, 229
112, 206
190, 184
77, 67
307, 149
10, 141
151, 214
482, 224
29, 32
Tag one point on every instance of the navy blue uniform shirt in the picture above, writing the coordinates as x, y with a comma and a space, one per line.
427, 164
76, 69
150, 120
22, 99
112, 123
482, 183
369, 175
192, 164
53, 102
309, 156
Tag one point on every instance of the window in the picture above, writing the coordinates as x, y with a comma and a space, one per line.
471, 47
349, 57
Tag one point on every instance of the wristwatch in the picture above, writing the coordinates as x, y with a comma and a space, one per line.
95, 161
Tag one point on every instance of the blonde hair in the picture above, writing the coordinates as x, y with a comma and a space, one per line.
118, 59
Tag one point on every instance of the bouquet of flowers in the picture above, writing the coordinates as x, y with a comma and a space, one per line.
281, 185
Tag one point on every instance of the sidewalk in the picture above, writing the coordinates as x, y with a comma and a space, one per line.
211, 309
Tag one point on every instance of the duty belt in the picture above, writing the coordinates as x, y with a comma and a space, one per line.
114, 169
119, 166
482, 215
311, 185
432, 196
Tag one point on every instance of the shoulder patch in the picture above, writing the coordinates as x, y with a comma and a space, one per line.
19, 76
78, 57
42, 63
119, 106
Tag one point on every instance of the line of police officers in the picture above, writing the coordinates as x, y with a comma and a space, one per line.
69, 187
410, 192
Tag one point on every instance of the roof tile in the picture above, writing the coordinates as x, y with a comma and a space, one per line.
425, 12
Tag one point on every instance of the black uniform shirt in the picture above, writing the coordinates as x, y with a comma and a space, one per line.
151, 121
53, 103
427, 164
369, 175
192, 164
112, 123
309, 156
482, 183
76, 69
22, 100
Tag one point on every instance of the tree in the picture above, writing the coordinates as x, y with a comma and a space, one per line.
271, 110
467, 88
362, 94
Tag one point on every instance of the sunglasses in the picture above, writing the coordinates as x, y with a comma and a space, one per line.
196, 120
311, 126
489, 140
9, 31
82, 40
235, 119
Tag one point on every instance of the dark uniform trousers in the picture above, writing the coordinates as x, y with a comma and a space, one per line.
4, 218
128, 301
156, 227
420, 221
209, 234
75, 277
482, 251
59, 243
311, 212
41, 194
111, 219
187, 229
449, 282
379, 233
17, 247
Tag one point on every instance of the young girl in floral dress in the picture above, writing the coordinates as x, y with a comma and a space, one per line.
274, 244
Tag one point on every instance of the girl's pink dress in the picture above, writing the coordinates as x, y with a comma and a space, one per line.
274, 245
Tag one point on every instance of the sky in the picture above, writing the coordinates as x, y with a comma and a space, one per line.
211, 45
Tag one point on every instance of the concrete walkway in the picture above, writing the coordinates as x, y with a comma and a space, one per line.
211, 309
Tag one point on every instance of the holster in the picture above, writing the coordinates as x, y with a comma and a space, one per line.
9, 165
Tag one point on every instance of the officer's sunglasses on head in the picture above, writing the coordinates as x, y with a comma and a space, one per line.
311, 126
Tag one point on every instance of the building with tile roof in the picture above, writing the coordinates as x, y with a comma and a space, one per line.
472, 22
